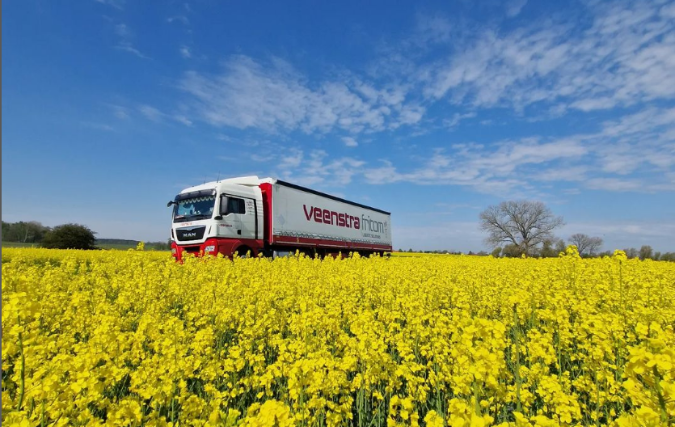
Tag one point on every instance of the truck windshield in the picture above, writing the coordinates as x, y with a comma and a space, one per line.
193, 209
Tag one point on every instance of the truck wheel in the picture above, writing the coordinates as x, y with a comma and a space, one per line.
244, 252
310, 253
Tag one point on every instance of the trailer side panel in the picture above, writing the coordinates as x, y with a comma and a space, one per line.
308, 218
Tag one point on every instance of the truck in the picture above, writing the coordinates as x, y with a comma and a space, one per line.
269, 217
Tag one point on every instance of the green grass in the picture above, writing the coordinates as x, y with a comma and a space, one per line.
106, 246
118, 246
20, 245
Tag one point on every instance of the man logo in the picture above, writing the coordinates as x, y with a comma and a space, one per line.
190, 235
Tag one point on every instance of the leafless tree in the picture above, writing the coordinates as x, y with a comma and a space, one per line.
524, 224
646, 252
586, 245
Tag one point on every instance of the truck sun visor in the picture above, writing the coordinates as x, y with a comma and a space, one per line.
195, 194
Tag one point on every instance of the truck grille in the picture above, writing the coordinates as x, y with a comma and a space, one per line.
190, 233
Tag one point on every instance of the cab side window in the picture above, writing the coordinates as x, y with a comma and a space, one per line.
235, 205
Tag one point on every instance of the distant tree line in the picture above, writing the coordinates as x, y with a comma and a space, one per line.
67, 236
23, 232
552, 248
518, 228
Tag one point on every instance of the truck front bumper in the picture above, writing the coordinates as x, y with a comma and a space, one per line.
215, 246
209, 247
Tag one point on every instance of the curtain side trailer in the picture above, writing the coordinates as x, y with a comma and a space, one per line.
255, 216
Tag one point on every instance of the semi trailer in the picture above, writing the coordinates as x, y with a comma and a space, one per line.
252, 216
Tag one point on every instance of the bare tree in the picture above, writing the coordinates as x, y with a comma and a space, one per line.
586, 245
646, 252
560, 246
524, 224
631, 252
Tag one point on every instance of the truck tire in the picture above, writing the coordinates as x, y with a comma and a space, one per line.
244, 252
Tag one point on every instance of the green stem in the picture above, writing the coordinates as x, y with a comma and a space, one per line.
517, 370
22, 373
659, 394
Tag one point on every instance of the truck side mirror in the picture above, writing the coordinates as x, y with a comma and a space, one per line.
222, 209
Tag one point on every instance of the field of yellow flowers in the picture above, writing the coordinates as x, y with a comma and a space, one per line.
133, 338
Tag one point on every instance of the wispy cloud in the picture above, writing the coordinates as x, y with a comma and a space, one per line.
178, 18
98, 126
185, 52
182, 119
119, 111
625, 234
123, 31
486, 169
312, 168
626, 55
151, 113
117, 4
513, 7
125, 43
621, 56
349, 141
154, 114
641, 145
457, 118
276, 97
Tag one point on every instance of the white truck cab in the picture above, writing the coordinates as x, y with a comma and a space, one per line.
222, 216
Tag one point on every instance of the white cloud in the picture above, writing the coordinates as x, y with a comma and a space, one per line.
625, 56
513, 7
349, 141
564, 173
291, 159
117, 4
98, 126
275, 97
185, 52
614, 184
431, 29
457, 118
151, 113
261, 158
639, 140
182, 119
625, 234
119, 111
314, 168
179, 18
128, 47
491, 170
635, 153
622, 55
125, 44
122, 30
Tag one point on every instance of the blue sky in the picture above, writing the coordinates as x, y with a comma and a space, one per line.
431, 111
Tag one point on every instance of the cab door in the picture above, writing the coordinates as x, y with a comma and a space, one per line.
241, 213
248, 219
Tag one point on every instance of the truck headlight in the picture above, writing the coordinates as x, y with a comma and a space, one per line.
210, 248
173, 251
